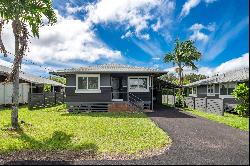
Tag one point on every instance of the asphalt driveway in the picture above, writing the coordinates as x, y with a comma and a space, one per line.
195, 141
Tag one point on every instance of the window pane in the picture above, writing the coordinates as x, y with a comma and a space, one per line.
223, 89
133, 83
195, 90
82, 82
143, 83
92, 82
190, 90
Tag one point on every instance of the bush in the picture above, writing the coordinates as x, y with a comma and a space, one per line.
241, 93
179, 100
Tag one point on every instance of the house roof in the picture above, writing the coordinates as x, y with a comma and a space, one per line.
109, 68
29, 77
239, 75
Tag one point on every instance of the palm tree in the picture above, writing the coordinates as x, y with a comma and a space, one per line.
185, 54
22, 14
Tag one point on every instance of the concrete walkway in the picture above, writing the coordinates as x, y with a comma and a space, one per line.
195, 141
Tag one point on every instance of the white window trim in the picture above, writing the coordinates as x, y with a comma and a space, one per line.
88, 90
211, 94
193, 94
226, 96
138, 90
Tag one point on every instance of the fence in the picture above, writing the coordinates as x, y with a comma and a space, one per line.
46, 99
215, 106
168, 99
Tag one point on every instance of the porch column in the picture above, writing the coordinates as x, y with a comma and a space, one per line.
152, 89
174, 96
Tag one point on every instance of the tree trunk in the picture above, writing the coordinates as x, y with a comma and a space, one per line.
15, 78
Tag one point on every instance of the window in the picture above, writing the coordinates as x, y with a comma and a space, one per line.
227, 89
193, 91
88, 83
210, 90
190, 91
138, 84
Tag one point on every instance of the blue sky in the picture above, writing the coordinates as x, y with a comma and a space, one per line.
140, 33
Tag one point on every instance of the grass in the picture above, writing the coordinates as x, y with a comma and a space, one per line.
53, 129
228, 119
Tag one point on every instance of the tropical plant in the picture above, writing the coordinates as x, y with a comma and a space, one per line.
241, 93
185, 54
25, 16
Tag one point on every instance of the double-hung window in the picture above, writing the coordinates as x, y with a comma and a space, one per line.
210, 90
138, 84
227, 89
193, 91
88, 83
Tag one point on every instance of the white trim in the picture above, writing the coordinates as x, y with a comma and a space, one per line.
138, 90
88, 90
211, 94
70, 86
117, 99
227, 95
193, 94
105, 86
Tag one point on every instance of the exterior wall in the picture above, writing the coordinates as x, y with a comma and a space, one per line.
105, 87
202, 93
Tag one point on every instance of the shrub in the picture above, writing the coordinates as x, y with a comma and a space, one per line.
241, 93
179, 99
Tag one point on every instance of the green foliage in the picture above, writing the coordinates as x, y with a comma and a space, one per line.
185, 54
58, 79
228, 119
179, 99
31, 12
47, 88
241, 93
193, 77
53, 129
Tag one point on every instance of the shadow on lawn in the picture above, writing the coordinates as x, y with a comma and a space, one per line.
59, 141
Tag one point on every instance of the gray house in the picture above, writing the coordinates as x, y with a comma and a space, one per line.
110, 85
219, 86
28, 83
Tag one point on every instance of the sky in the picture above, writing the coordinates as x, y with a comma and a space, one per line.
138, 33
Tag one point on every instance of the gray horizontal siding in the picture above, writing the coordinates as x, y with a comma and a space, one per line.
104, 96
104, 80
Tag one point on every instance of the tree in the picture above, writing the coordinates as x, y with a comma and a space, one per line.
22, 14
241, 93
185, 54
194, 77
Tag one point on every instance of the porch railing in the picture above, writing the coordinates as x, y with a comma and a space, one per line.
130, 98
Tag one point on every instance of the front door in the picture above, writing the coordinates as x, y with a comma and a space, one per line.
115, 87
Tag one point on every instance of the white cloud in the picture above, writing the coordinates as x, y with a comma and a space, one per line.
72, 10
217, 45
189, 4
152, 48
135, 16
236, 63
156, 26
69, 39
198, 35
232, 64
210, 1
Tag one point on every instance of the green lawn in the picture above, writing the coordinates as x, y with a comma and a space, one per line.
54, 129
228, 119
